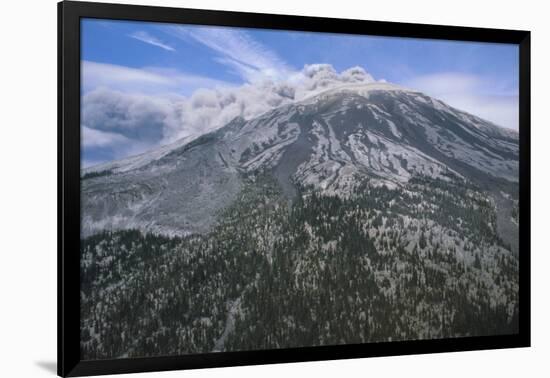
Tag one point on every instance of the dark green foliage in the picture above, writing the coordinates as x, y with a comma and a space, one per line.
412, 263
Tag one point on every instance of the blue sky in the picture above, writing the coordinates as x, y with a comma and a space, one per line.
145, 84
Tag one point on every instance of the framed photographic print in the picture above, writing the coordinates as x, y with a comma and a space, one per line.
239, 188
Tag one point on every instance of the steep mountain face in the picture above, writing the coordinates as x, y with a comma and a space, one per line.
366, 213
332, 141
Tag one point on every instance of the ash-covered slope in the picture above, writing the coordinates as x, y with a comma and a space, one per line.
366, 213
333, 141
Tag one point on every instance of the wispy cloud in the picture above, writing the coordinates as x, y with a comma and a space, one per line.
148, 38
116, 124
245, 56
98, 138
148, 80
486, 98
133, 116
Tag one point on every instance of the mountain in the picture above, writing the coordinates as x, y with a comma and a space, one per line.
332, 141
366, 213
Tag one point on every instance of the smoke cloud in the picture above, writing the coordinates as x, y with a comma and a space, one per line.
151, 120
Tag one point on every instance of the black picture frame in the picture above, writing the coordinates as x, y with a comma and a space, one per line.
69, 15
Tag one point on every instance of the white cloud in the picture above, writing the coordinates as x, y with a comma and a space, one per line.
147, 38
116, 124
141, 106
152, 120
112, 144
209, 109
97, 138
149, 119
142, 80
243, 55
316, 77
473, 94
